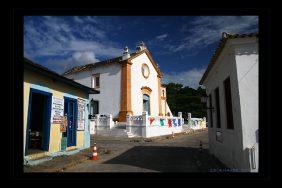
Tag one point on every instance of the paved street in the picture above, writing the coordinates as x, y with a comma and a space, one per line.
165, 154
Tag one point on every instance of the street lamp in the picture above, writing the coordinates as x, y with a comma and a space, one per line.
204, 99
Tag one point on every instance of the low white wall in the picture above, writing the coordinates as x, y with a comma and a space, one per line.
151, 126
100, 123
197, 123
152, 131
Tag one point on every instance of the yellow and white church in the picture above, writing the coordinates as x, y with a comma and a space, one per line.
128, 85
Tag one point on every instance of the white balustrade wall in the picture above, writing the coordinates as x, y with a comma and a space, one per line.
196, 123
151, 126
148, 126
101, 122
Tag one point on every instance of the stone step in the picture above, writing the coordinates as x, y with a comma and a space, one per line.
116, 132
130, 135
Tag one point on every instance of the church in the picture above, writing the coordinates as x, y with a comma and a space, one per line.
128, 85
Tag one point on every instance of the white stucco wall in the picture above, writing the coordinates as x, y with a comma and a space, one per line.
247, 71
137, 81
168, 109
163, 103
110, 85
232, 150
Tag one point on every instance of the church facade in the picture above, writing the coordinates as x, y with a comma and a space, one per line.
128, 85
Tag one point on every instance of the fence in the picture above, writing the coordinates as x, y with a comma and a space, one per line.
101, 122
196, 123
150, 126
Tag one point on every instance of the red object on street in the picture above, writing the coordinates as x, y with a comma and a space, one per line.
95, 153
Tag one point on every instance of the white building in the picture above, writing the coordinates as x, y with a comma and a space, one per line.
129, 84
231, 82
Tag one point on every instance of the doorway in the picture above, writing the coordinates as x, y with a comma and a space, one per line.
38, 123
70, 110
94, 107
146, 103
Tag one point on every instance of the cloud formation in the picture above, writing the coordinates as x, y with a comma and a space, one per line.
60, 65
85, 56
206, 30
161, 37
189, 78
65, 41
76, 39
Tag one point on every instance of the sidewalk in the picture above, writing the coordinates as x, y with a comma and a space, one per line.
60, 163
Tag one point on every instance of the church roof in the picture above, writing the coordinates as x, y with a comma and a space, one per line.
223, 40
112, 61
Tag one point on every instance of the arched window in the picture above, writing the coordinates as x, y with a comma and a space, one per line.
146, 103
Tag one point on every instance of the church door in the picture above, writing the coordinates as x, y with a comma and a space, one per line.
146, 103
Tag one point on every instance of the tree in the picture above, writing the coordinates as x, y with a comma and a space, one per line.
185, 100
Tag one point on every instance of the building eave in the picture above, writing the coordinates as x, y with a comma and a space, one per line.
222, 43
30, 65
113, 61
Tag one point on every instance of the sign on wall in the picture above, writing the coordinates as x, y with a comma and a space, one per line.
63, 127
80, 114
57, 110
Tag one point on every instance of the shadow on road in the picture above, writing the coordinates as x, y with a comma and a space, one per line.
168, 159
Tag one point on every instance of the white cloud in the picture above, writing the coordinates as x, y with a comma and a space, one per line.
55, 36
77, 19
206, 30
84, 57
98, 48
161, 37
189, 78
77, 59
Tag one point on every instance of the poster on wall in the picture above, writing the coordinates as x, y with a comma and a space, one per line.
80, 114
63, 127
57, 112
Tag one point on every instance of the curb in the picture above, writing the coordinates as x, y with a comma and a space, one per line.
61, 169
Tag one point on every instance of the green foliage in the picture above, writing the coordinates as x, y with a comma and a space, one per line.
185, 100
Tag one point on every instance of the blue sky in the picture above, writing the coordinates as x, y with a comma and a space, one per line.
181, 45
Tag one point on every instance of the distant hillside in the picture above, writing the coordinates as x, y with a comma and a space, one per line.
185, 100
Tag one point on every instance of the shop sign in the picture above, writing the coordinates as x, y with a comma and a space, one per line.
57, 110
80, 114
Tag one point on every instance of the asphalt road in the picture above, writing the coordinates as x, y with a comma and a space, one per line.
179, 154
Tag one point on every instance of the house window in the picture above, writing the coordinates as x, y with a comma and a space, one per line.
210, 110
217, 106
228, 104
95, 82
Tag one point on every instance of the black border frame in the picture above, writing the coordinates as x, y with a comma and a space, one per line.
16, 149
